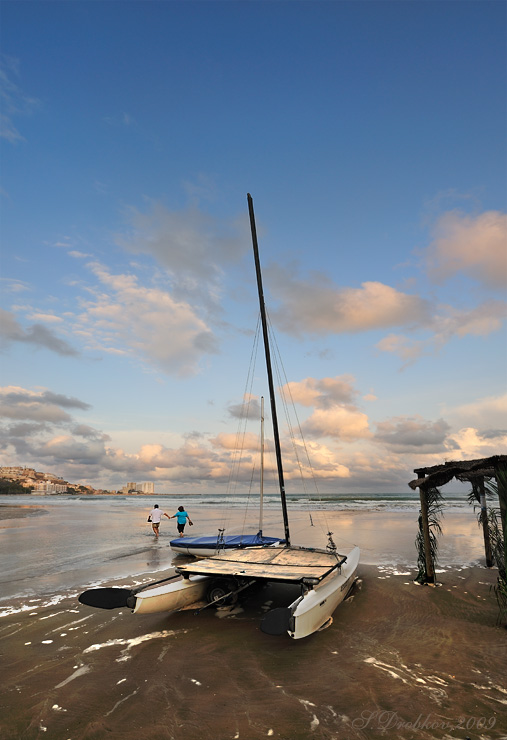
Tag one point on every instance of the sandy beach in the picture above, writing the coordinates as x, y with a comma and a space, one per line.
399, 661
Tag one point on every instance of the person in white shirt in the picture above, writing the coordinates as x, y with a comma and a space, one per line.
155, 518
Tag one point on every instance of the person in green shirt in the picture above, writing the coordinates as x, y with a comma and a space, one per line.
181, 516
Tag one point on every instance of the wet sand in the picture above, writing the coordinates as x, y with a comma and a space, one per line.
19, 512
399, 661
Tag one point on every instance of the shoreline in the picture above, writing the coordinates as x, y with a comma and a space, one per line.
399, 660
70, 548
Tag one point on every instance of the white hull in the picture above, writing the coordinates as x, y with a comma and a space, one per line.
312, 611
173, 596
201, 552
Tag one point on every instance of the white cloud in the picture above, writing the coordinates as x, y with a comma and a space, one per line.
473, 430
147, 322
409, 350
344, 422
13, 286
447, 323
486, 413
323, 392
49, 318
334, 413
65, 244
249, 441
318, 306
405, 433
40, 429
249, 409
474, 245
42, 405
64, 447
479, 321
191, 244
79, 255
37, 335
325, 463
15, 102
471, 444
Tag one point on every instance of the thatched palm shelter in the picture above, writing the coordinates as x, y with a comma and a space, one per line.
475, 471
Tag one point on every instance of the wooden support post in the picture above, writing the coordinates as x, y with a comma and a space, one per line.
430, 569
501, 479
484, 521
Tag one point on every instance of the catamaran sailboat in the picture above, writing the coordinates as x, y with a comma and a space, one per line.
323, 575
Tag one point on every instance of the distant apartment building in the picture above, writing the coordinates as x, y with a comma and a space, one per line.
46, 488
147, 487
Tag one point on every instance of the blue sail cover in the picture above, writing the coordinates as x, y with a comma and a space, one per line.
230, 542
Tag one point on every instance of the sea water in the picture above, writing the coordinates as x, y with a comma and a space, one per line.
67, 543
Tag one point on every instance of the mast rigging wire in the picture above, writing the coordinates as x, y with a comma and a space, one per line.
284, 388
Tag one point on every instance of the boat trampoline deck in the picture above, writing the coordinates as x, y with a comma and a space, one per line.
289, 564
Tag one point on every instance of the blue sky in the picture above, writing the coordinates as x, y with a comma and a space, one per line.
372, 138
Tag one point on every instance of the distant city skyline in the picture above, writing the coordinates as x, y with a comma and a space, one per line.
29, 475
372, 139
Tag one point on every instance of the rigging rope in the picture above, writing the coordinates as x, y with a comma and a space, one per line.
298, 444
239, 445
284, 387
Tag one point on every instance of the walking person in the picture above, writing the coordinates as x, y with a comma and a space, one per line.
182, 516
155, 517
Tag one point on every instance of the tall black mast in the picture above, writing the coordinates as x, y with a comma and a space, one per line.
269, 370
